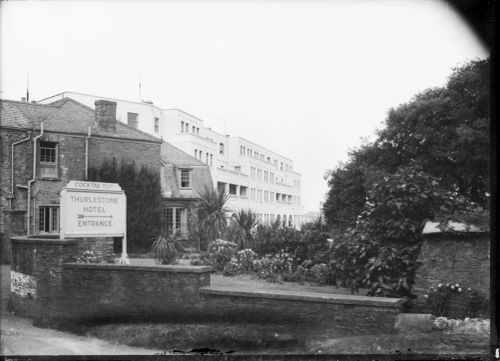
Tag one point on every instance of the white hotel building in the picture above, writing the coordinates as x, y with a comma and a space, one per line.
255, 178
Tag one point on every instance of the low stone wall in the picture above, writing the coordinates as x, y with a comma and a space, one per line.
316, 310
110, 291
37, 267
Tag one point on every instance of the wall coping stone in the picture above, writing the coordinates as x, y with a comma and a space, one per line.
152, 268
42, 240
306, 296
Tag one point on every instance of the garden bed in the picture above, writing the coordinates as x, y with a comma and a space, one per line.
253, 282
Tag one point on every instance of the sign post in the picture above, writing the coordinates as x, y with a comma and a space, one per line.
94, 209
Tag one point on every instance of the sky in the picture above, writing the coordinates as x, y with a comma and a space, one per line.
306, 79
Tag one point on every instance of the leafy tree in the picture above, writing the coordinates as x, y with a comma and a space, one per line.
430, 162
346, 195
143, 190
442, 131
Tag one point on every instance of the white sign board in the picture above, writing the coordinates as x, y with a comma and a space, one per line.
93, 209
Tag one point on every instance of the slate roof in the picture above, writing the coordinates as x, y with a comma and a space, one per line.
66, 116
173, 155
432, 228
172, 160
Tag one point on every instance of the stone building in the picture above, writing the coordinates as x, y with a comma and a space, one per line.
43, 146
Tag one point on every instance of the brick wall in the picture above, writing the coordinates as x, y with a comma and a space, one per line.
135, 292
299, 312
141, 152
70, 166
462, 258
37, 267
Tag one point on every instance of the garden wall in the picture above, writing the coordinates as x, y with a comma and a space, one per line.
316, 310
50, 287
459, 257
37, 267
111, 291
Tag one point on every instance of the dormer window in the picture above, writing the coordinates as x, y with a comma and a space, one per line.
185, 181
48, 160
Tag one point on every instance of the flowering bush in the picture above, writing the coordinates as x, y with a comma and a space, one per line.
319, 273
245, 259
274, 266
220, 253
88, 257
442, 298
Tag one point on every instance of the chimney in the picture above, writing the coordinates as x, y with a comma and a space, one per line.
105, 114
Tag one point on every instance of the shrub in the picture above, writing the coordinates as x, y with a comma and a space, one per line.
220, 253
232, 268
242, 262
319, 273
274, 267
88, 257
272, 239
164, 250
444, 299
143, 189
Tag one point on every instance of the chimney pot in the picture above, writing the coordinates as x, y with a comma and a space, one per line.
105, 114
23, 99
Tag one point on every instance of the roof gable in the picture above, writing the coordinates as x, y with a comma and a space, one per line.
66, 116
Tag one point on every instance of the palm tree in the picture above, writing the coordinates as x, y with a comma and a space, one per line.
211, 211
243, 222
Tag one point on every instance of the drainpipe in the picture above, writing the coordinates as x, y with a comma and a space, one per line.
12, 167
87, 154
31, 181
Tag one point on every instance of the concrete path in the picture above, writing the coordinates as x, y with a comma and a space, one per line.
19, 337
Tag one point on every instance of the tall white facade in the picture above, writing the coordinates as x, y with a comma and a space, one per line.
255, 178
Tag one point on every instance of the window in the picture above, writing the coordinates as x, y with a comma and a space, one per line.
174, 218
187, 127
271, 177
237, 168
184, 178
48, 160
206, 158
201, 154
243, 191
157, 125
232, 189
271, 198
275, 164
194, 129
198, 131
281, 166
133, 119
266, 196
266, 176
221, 148
48, 221
182, 127
211, 157
196, 153
221, 187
